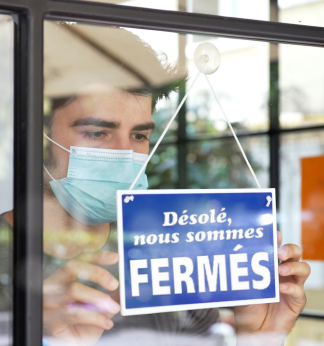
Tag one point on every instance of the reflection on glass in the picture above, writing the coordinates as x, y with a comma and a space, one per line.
161, 117
219, 164
162, 169
294, 147
301, 83
6, 177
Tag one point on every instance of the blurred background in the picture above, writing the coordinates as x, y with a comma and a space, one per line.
256, 82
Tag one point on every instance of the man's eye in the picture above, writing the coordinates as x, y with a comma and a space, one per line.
95, 135
140, 137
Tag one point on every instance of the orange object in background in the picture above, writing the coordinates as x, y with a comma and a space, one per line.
312, 198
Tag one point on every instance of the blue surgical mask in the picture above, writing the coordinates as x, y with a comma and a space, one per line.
88, 193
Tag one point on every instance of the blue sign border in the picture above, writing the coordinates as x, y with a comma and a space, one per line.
182, 307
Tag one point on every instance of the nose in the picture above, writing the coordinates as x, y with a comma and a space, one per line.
121, 143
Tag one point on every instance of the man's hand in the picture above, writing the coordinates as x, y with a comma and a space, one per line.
278, 318
76, 313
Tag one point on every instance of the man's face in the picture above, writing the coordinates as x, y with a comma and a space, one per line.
101, 117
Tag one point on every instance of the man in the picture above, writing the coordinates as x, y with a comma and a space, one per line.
78, 303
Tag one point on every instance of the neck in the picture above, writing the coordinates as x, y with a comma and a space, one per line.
66, 237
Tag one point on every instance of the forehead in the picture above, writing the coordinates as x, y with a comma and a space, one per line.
108, 103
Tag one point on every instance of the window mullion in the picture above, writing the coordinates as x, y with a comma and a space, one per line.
28, 186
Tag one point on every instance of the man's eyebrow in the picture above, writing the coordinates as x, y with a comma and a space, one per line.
90, 121
143, 127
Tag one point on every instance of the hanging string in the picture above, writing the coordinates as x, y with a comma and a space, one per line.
163, 134
237, 141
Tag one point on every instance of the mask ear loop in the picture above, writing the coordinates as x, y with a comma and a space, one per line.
237, 141
59, 145
59, 189
163, 134
46, 170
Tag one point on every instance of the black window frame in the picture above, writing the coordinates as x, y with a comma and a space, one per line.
28, 17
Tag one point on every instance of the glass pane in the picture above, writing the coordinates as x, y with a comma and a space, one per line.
308, 331
164, 111
6, 177
105, 90
295, 147
162, 171
305, 12
219, 164
241, 85
301, 83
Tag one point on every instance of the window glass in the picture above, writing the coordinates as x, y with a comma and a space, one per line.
241, 84
301, 83
308, 331
99, 87
304, 12
110, 90
164, 111
6, 177
219, 164
294, 149
162, 171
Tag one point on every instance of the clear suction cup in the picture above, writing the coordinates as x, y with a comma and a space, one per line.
207, 58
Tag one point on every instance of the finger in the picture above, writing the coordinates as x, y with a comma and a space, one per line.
82, 315
289, 252
56, 321
99, 257
75, 270
54, 300
84, 294
295, 292
300, 271
279, 238
77, 292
